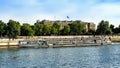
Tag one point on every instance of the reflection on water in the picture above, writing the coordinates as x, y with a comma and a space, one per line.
71, 57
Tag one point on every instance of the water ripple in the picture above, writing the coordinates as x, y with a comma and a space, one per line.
76, 57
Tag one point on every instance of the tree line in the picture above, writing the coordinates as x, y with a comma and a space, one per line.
12, 29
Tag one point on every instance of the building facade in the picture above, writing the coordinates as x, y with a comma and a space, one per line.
87, 25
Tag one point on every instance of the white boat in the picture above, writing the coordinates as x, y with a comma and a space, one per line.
32, 43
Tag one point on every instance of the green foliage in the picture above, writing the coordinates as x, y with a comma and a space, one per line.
76, 28
91, 32
2, 28
46, 29
112, 28
103, 28
117, 30
55, 28
42, 29
80, 28
38, 28
13, 29
54, 31
26, 30
66, 30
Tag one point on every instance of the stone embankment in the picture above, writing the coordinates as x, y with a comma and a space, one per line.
115, 38
64, 41
6, 43
56, 41
71, 41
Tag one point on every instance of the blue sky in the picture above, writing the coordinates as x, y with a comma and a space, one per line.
28, 11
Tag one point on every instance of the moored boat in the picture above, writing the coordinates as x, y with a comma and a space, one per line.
32, 43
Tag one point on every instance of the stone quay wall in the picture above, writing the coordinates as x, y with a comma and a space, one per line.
115, 38
85, 40
78, 41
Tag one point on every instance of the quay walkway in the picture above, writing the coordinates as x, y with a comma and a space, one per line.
58, 41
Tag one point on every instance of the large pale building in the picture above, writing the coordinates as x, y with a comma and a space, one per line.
87, 25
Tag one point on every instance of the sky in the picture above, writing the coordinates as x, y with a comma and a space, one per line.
28, 11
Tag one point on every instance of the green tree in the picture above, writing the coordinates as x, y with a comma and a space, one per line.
117, 30
76, 28
80, 28
103, 28
2, 28
55, 28
66, 30
26, 30
46, 29
91, 32
112, 28
38, 28
54, 31
13, 29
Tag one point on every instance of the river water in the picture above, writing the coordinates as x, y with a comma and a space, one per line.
70, 57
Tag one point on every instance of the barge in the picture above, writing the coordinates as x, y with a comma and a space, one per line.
66, 42
32, 43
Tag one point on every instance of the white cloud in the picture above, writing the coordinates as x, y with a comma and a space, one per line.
109, 9
85, 10
103, 11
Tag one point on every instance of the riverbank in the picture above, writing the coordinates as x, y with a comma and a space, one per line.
115, 38
61, 41
6, 43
